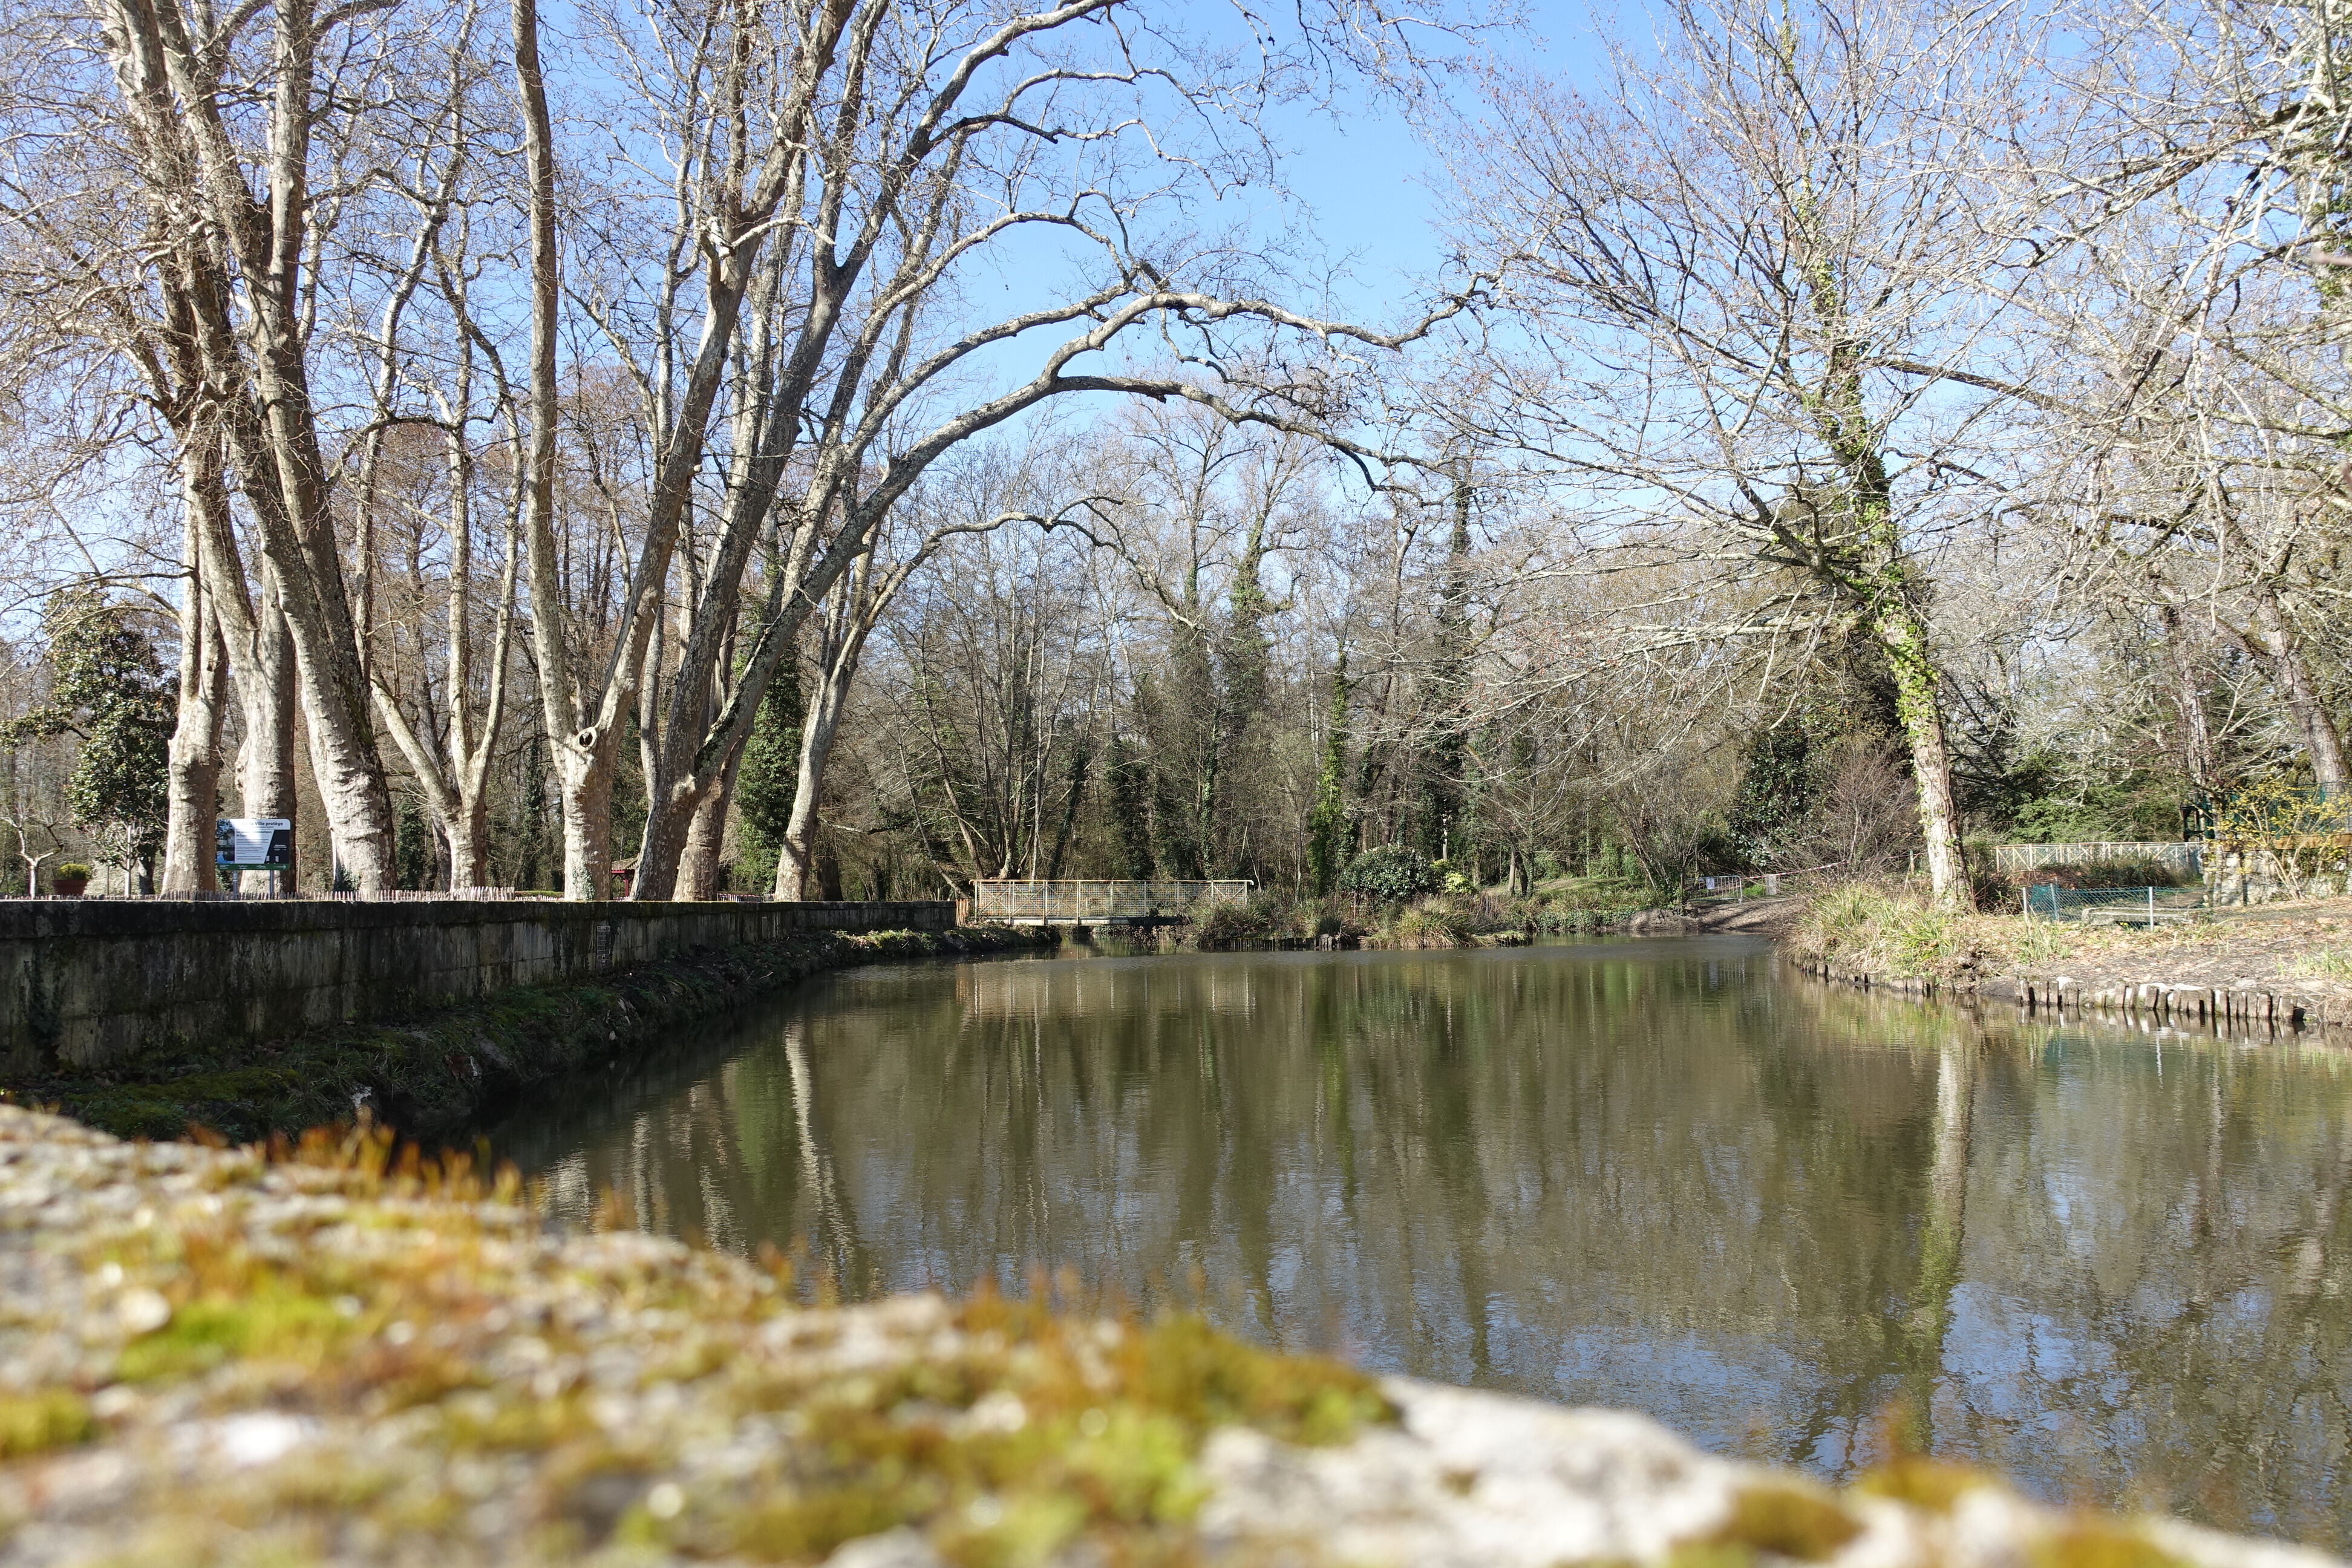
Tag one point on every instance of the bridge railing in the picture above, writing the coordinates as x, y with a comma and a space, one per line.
1076, 900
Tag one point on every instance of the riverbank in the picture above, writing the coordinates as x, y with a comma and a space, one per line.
332, 1357
435, 1073
2278, 967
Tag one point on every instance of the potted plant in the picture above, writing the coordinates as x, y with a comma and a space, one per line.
70, 878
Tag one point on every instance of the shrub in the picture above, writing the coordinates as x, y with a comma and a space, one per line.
1227, 925
70, 871
1431, 930
1391, 873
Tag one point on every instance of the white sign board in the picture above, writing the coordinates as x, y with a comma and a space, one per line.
254, 843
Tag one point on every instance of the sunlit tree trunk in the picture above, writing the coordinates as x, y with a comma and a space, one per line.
195, 745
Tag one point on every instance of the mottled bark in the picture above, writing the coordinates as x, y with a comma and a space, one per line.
193, 788
698, 869
241, 274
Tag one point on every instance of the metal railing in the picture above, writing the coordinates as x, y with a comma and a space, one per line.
227, 896
2183, 857
1075, 902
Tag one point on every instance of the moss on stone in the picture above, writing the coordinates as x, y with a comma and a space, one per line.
1786, 1520
2090, 1541
43, 1419
1930, 1485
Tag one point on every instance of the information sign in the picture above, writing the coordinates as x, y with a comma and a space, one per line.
253, 844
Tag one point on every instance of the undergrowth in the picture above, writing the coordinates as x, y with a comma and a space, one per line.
1878, 930
2332, 964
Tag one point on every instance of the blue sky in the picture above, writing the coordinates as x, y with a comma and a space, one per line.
1363, 202
1368, 179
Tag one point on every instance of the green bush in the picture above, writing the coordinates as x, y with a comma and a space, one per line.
1391, 873
70, 871
1261, 922
1432, 928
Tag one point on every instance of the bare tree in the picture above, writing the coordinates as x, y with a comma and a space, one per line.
1761, 275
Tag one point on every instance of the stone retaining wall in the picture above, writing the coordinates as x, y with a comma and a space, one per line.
89, 984
2229, 1011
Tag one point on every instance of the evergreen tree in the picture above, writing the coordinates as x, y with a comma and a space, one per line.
107, 686
1178, 775
767, 778
1184, 756
1330, 833
1776, 790
536, 863
413, 854
1244, 755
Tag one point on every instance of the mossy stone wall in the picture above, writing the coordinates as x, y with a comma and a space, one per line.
87, 983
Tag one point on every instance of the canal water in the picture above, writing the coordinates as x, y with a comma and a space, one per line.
1671, 1175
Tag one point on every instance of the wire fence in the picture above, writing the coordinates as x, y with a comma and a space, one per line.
2115, 906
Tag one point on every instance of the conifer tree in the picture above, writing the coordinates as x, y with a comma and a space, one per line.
107, 686
768, 777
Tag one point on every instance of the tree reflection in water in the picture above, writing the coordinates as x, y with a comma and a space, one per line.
1794, 1222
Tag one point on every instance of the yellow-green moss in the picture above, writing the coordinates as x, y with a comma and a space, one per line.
2088, 1541
1786, 1520
1923, 1483
267, 1320
44, 1419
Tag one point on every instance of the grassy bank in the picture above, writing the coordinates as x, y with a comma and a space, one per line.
432, 1074
1893, 933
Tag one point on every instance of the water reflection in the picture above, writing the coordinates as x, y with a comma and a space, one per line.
1656, 1175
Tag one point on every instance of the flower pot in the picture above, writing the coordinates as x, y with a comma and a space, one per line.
68, 887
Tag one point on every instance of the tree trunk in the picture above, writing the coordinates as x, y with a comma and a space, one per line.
2290, 673
468, 829
698, 869
586, 794
582, 753
242, 277
193, 797
1903, 639
795, 855
2199, 753
350, 775
193, 792
266, 769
